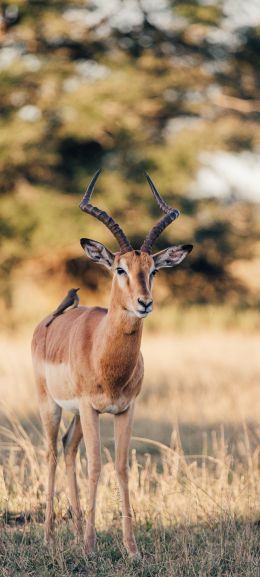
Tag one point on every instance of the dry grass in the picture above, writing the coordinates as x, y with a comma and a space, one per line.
194, 467
205, 377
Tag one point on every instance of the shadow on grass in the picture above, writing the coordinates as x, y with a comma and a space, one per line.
194, 438
226, 548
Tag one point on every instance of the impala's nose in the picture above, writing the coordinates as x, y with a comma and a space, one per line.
146, 304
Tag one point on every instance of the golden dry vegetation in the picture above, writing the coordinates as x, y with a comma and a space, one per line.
194, 465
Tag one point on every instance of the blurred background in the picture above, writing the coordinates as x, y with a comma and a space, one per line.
164, 86
167, 87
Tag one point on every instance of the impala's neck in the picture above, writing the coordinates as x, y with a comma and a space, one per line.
119, 343
121, 327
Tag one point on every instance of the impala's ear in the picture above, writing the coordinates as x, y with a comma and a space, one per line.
97, 252
171, 256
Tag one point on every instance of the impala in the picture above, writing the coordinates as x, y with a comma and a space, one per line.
88, 361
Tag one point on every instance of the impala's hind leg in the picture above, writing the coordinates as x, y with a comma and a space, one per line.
71, 442
50, 416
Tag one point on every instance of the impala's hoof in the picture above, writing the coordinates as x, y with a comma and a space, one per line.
132, 550
134, 556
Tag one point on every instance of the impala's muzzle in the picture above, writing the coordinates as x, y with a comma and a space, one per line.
144, 307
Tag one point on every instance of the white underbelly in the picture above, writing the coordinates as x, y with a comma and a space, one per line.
73, 406
60, 386
61, 389
68, 404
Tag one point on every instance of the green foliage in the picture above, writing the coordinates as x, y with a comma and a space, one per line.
17, 225
206, 14
74, 99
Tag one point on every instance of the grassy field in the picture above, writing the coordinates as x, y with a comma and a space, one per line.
194, 466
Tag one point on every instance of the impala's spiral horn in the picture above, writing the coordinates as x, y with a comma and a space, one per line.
101, 215
170, 216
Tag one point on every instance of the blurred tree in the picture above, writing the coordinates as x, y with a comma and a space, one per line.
85, 85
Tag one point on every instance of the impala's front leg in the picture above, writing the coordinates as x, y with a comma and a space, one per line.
123, 428
90, 428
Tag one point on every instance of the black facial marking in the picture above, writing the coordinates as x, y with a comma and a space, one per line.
142, 280
137, 252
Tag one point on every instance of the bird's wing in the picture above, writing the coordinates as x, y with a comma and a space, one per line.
67, 302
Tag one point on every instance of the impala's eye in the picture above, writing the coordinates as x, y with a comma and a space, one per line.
120, 271
154, 272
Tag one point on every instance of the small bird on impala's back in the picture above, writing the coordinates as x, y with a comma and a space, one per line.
71, 300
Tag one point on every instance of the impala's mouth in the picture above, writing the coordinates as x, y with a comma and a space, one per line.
144, 312
141, 315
